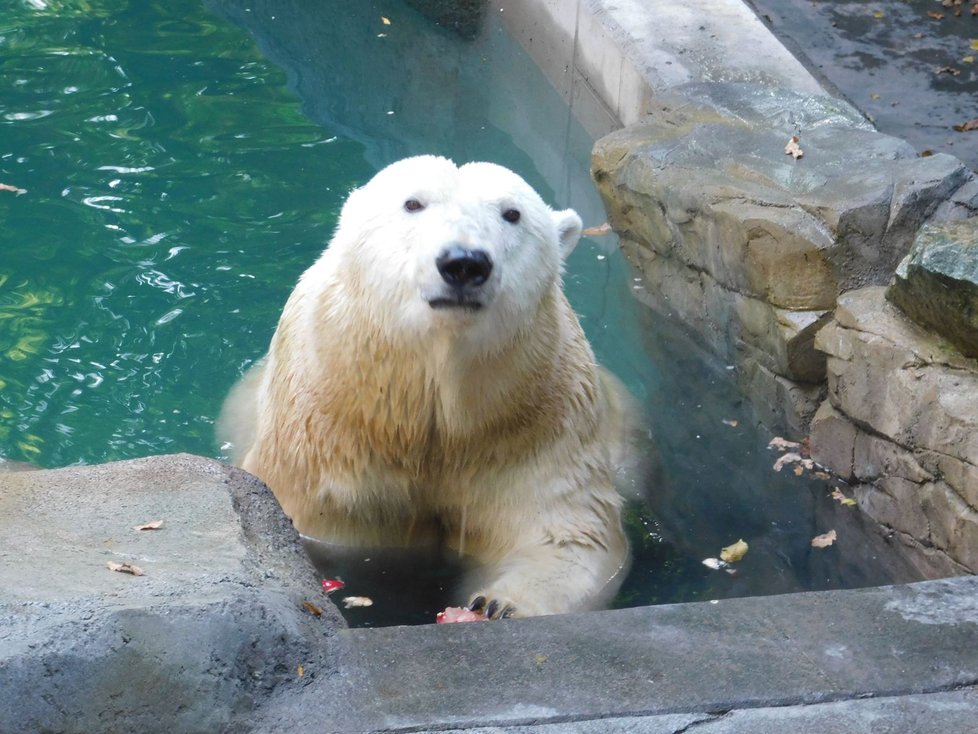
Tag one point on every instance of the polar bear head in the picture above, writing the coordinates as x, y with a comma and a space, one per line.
470, 249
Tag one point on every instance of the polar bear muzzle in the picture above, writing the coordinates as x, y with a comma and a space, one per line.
464, 271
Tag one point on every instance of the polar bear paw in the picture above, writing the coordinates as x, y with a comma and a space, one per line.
492, 607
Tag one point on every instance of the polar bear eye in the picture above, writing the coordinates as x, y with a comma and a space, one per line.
511, 215
413, 205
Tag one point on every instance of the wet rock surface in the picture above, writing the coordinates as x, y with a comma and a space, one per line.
750, 247
936, 285
214, 626
901, 424
910, 66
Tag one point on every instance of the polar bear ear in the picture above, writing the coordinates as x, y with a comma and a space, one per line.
569, 228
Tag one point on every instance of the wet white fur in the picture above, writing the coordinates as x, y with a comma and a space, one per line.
378, 420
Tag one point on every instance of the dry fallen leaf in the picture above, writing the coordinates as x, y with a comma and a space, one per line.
312, 608
733, 553
155, 525
824, 540
793, 149
967, 126
599, 231
357, 601
125, 568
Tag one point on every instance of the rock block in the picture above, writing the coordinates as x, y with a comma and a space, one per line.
215, 624
902, 406
936, 284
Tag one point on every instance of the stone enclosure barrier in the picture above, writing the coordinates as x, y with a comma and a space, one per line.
779, 265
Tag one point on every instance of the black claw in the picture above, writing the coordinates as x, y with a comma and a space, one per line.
508, 612
477, 604
493, 609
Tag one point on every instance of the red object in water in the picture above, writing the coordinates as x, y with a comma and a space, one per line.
331, 585
459, 614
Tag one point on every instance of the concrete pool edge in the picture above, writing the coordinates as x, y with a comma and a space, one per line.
218, 635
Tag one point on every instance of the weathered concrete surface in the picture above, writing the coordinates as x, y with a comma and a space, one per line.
936, 284
750, 247
609, 59
212, 637
737, 661
901, 422
214, 627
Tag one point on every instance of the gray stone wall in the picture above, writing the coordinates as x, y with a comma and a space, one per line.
777, 263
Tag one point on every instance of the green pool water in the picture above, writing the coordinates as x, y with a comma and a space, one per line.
177, 165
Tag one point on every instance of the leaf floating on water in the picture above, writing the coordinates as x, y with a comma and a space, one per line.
782, 444
14, 189
967, 126
842, 499
734, 552
731, 423
154, 525
312, 609
599, 231
357, 601
784, 459
125, 568
935, 15
824, 540
793, 149
385, 21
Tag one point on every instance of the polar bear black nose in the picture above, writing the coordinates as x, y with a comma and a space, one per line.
460, 266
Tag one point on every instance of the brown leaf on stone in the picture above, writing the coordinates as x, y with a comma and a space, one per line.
312, 609
824, 540
793, 149
125, 568
967, 126
599, 231
155, 525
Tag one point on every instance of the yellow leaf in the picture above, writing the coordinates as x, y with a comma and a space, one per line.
968, 60
974, 44
879, 14
385, 21
300, 671
733, 553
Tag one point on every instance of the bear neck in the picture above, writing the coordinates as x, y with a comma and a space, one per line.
416, 407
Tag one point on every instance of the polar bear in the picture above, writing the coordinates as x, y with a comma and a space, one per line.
429, 382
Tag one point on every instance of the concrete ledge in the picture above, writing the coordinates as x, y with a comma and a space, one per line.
740, 660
